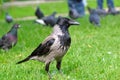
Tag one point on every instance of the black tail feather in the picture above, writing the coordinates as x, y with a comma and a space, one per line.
1, 44
24, 60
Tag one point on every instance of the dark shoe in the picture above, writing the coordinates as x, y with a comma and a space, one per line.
113, 11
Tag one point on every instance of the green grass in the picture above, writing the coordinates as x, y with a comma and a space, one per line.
94, 53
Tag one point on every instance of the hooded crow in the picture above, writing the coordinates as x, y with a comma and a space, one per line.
48, 20
8, 18
94, 18
10, 39
55, 46
39, 14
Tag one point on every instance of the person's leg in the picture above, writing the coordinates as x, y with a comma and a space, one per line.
100, 4
80, 8
71, 3
110, 3
111, 8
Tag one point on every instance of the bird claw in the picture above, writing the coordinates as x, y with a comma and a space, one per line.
61, 72
50, 76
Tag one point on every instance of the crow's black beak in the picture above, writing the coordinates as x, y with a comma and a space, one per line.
72, 22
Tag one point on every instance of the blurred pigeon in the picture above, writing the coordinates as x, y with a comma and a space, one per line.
48, 20
73, 12
55, 46
94, 17
101, 12
39, 14
8, 18
10, 39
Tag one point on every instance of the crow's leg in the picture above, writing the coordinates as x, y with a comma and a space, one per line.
47, 69
58, 66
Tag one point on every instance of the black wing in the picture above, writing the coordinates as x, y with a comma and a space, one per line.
43, 49
6, 42
2, 40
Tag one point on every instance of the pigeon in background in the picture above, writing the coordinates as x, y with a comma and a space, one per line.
55, 46
101, 12
94, 18
73, 12
39, 14
8, 18
48, 20
10, 39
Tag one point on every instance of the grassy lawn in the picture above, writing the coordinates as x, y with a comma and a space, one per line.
94, 53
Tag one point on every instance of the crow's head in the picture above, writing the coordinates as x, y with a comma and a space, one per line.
63, 21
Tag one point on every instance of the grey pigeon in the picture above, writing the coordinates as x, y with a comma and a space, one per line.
8, 18
48, 20
39, 14
73, 12
10, 39
101, 12
94, 18
55, 46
